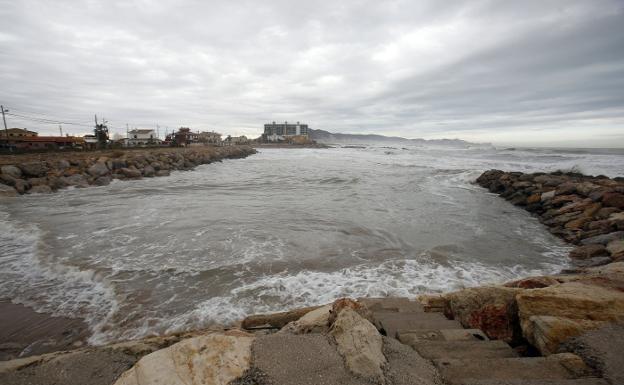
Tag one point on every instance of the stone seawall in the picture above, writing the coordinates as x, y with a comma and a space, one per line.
47, 173
586, 211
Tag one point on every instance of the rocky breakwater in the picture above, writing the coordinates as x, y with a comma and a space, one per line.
541, 312
48, 173
586, 211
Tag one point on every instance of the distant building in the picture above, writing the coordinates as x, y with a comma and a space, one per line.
22, 139
141, 138
235, 140
90, 142
210, 138
17, 133
183, 137
274, 132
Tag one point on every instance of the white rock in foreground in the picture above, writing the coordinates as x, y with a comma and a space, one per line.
360, 344
315, 321
214, 359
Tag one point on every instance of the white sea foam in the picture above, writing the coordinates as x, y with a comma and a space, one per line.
273, 293
33, 277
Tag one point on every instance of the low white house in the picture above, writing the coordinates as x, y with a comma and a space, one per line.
138, 138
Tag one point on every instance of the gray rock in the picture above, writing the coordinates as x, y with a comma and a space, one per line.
33, 169
102, 181
162, 173
603, 239
588, 251
63, 164
149, 171
41, 189
38, 181
7, 191
118, 164
548, 196
591, 262
21, 186
130, 172
77, 180
12, 171
98, 169
7, 179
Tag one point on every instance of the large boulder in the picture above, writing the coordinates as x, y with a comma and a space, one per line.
98, 169
489, 308
546, 333
77, 180
316, 321
613, 200
616, 247
213, 359
33, 169
596, 297
603, 239
40, 189
7, 191
588, 251
11, 171
149, 171
359, 342
348, 303
130, 172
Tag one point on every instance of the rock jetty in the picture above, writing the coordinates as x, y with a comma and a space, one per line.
587, 211
47, 173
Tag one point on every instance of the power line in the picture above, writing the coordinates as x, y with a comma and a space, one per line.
44, 115
43, 120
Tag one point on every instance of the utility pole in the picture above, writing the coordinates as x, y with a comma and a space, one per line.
6, 130
61, 129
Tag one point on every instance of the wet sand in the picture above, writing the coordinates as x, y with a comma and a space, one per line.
24, 332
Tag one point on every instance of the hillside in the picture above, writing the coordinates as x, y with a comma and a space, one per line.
322, 136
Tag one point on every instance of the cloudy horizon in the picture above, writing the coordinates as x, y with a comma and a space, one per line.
532, 73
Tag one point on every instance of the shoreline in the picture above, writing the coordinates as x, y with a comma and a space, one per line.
25, 332
46, 173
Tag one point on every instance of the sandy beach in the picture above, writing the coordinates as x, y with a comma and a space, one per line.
24, 332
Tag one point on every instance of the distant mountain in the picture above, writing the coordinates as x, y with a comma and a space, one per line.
322, 136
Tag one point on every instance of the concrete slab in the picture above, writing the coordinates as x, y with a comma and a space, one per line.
602, 349
394, 304
579, 381
459, 371
391, 323
406, 367
311, 359
411, 336
464, 349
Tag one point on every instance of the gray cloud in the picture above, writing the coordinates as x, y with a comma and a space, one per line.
508, 72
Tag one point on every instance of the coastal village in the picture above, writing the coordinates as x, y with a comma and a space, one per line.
25, 140
44, 164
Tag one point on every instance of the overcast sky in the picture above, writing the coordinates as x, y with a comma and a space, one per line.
508, 72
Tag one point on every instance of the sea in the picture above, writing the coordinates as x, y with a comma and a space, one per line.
281, 229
